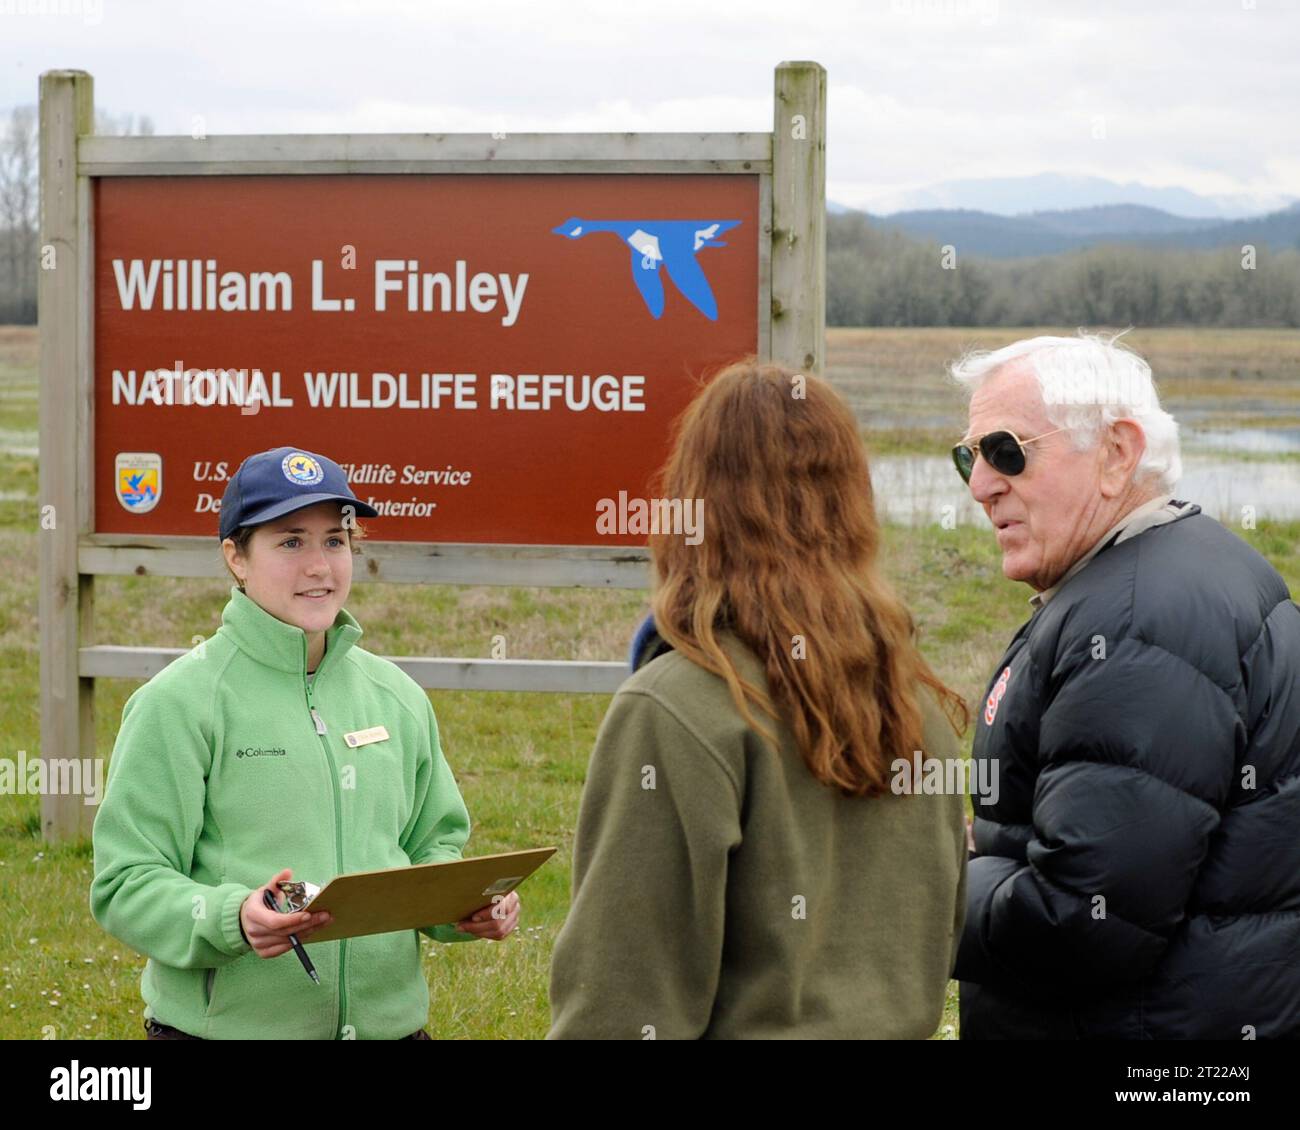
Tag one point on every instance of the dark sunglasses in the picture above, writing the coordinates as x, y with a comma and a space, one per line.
1004, 451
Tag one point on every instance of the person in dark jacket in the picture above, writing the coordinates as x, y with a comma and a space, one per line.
1139, 875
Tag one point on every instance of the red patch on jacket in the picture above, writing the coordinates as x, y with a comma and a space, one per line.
995, 696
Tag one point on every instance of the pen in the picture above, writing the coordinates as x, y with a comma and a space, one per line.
269, 899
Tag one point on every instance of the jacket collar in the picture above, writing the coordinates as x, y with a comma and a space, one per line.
276, 644
1158, 511
647, 644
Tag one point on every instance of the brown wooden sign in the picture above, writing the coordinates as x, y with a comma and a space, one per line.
489, 357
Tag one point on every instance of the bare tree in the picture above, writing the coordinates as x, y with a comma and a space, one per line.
123, 125
20, 203
19, 217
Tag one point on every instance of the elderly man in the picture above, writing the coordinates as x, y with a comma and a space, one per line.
1139, 875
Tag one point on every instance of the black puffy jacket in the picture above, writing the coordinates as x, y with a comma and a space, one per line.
1139, 874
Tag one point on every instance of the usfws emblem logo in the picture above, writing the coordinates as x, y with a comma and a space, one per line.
138, 477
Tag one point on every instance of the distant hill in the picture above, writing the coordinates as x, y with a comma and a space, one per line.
1047, 233
1014, 196
1109, 219
981, 233
1276, 230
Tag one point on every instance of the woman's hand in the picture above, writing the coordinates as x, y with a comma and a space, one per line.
268, 930
495, 921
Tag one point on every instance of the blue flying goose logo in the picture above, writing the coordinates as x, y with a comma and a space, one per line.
670, 244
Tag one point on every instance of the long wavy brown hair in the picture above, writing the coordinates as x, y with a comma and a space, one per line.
788, 563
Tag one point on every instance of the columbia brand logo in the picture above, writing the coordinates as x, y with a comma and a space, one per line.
995, 696
258, 751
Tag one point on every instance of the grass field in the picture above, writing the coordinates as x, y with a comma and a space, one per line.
896, 379
519, 758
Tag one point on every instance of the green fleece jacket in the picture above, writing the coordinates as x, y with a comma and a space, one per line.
219, 778
720, 891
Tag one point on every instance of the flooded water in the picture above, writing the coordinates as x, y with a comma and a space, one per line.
1254, 440
924, 489
1225, 468
20, 443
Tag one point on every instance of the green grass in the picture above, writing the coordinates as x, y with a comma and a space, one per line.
520, 758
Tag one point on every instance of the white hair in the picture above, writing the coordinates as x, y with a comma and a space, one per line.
1087, 383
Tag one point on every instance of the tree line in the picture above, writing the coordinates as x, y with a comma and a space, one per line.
878, 276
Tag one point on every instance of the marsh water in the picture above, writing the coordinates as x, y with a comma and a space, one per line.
1226, 470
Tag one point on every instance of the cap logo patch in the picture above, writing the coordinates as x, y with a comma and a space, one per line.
301, 469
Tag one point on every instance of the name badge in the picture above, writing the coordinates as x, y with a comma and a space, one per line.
366, 737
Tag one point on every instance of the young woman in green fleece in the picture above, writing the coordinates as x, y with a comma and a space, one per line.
746, 862
233, 769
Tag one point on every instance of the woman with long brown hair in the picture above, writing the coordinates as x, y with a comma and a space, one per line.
749, 862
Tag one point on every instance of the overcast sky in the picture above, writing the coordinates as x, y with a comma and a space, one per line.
1202, 94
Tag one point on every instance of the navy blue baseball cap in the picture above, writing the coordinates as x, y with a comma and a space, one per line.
273, 483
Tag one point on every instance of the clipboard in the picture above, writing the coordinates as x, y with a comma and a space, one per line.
428, 894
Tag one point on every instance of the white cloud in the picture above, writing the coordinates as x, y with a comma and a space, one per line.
1199, 94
